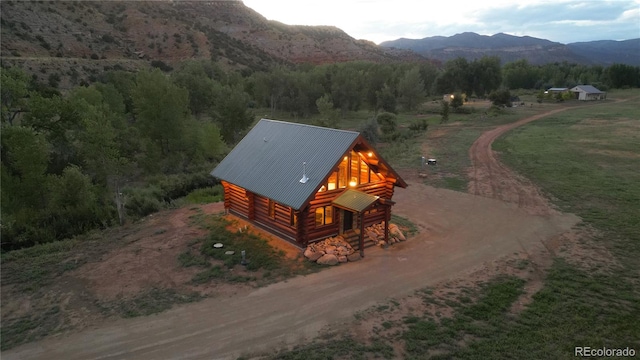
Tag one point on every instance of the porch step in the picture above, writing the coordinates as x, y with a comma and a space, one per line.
353, 238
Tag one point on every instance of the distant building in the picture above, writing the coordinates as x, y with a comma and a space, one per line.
555, 90
588, 92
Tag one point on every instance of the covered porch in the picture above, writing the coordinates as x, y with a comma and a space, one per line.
352, 206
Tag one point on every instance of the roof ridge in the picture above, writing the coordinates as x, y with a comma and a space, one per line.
312, 126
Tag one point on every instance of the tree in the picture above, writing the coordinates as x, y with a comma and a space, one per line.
455, 78
161, 109
192, 76
621, 75
457, 101
328, 115
25, 186
370, 131
14, 90
444, 112
347, 87
429, 74
485, 75
411, 89
520, 75
501, 97
386, 100
231, 113
387, 122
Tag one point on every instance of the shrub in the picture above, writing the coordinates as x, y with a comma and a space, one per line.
370, 131
387, 122
501, 97
205, 195
143, 201
161, 65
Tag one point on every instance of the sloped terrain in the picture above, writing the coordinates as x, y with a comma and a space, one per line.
225, 31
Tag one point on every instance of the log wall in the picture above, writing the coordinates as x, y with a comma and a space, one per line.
255, 207
282, 220
235, 199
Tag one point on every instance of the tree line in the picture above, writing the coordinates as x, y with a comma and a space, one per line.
131, 143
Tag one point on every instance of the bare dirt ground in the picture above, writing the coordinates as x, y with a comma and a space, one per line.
490, 178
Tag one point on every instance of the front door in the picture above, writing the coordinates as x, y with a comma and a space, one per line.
347, 223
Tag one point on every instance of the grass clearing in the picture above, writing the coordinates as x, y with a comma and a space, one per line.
263, 263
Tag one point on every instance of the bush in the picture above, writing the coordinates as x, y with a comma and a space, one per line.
501, 97
143, 201
370, 131
206, 195
420, 125
161, 65
387, 122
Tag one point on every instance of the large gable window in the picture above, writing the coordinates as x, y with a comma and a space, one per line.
324, 215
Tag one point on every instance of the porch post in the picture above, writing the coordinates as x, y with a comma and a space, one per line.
387, 218
361, 234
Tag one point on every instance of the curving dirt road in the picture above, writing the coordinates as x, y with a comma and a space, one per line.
459, 233
490, 178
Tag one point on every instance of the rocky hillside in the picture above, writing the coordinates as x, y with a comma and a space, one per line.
171, 31
510, 48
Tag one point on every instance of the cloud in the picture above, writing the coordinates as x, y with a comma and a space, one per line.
379, 20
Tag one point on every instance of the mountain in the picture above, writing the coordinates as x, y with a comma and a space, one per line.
510, 48
66, 35
607, 52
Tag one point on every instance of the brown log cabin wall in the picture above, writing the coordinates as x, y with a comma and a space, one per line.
235, 199
281, 222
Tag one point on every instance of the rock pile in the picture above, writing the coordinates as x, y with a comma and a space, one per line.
331, 251
375, 232
335, 250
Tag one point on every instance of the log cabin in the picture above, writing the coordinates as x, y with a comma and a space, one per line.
305, 183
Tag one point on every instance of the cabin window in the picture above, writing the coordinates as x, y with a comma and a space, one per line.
332, 184
272, 209
364, 173
324, 215
293, 220
374, 177
355, 169
343, 172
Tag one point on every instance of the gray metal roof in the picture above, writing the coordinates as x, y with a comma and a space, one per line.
355, 200
268, 160
587, 89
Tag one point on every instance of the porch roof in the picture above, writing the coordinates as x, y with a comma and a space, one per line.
355, 200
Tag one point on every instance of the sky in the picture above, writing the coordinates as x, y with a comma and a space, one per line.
563, 21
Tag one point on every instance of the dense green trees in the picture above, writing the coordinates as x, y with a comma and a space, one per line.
67, 161
121, 147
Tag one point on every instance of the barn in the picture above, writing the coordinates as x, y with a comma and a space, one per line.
588, 92
305, 183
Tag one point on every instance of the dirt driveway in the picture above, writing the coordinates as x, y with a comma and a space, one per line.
458, 234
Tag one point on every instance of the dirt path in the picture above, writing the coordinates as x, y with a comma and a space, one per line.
490, 178
459, 234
